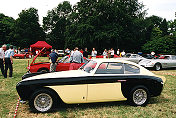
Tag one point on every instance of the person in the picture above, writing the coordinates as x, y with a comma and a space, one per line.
9, 61
118, 52
67, 51
53, 60
112, 52
94, 53
105, 53
19, 51
85, 53
36, 52
82, 51
153, 53
123, 53
2, 50
109, 53
76, 59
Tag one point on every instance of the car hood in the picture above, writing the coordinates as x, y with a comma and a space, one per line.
62, 74
36, 56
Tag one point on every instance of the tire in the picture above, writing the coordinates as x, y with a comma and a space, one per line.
43, 101
157, 67
139, 96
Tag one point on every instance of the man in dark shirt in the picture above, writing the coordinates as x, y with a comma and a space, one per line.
53, 59
85, 53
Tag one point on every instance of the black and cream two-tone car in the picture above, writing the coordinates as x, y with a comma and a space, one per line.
100, 80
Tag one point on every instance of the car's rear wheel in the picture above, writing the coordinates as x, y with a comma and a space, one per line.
43, 101
157, 66
139, 96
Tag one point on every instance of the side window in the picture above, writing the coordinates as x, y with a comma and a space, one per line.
110, 68
131, 69
134, 56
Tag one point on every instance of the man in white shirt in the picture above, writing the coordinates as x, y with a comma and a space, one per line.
118, 52
2, 49
76, 59
94, 53
112, 53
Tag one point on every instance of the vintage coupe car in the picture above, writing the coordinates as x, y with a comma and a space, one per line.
133, 58
63, 65
100, 80
169, 61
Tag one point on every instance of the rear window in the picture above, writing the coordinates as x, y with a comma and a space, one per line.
131, 69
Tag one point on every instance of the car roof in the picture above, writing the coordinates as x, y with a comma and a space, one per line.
114, 60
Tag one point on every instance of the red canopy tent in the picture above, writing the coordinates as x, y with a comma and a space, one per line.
38, 46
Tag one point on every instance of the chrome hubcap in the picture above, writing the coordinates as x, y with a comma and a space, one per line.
158, 67
139, 96
43, 102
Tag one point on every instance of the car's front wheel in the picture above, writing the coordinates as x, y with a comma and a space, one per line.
139, 96
157, 66
43, 101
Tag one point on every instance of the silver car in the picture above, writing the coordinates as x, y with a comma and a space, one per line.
169, 61
133, 58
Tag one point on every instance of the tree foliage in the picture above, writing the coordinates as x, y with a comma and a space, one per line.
162, 45
6, 28
105, 24
27, 29
55, 24
92, 23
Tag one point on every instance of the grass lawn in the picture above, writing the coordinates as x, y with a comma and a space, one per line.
161, 106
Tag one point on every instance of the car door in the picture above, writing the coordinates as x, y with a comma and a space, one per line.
105, 86
169, 61
71, 94
64, 65
173, 62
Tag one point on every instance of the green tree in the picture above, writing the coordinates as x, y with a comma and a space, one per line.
164, 27
105, 24
55, 23
27, 29
6, 27
162, 45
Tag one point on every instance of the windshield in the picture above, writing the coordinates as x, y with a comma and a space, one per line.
64, 59
89, 66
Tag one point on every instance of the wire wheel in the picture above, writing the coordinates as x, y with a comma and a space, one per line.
140, 96
43, 102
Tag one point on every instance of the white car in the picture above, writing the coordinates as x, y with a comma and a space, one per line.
61, 53
169, 61
133, 58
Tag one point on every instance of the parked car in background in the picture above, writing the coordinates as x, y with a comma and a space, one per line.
21, 56
132, 57
148, 56
63, 64
61, 53
169, 61
100, 80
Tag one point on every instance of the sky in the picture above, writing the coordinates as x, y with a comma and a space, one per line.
163, 8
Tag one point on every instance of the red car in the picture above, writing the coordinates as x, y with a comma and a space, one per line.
21, 56
63, 65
